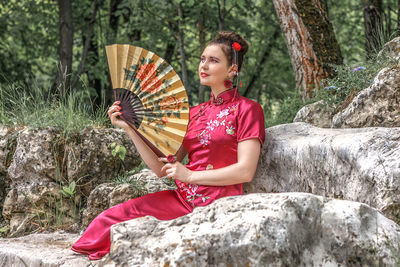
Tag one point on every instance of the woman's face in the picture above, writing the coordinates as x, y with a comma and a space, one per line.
214, 68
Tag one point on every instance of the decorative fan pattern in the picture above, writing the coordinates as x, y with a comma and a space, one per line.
153, 99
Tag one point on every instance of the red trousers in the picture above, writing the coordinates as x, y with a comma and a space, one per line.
164, 205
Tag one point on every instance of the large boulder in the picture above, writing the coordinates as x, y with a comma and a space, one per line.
377, 105
44, 162
89, 159
354, 164
288, 229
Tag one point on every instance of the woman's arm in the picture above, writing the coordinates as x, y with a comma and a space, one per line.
148, 156
240, 172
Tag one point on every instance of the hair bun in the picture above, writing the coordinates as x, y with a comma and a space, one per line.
234, 37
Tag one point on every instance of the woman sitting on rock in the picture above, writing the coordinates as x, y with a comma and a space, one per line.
223, 144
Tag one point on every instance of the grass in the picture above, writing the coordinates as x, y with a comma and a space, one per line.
53, 214
21, 105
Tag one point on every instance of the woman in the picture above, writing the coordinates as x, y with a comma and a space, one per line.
223, 143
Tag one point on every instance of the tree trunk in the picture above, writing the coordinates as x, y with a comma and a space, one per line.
373, 26
311, 41
221, 15
202, 38
169, 52
65, 49
87, 40
182, 45
113, 19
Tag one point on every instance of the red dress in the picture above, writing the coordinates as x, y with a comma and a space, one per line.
215, 129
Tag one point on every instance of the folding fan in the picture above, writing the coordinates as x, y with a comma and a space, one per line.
153, 100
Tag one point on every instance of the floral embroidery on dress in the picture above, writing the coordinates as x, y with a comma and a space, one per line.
205, 136
230, 130
190, 192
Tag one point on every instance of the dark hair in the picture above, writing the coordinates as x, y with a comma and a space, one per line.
226, 39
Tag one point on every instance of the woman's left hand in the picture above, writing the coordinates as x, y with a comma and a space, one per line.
176, 170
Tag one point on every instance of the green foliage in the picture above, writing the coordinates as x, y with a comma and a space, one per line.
4, 230
126, 178
69, 191
350, 80
284, 111
118, 150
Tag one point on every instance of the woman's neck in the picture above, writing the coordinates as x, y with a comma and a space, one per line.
219, 90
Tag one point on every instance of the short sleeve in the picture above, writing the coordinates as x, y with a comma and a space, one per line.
251, 123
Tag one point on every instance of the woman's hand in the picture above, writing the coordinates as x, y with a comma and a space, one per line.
113, 112
176, 170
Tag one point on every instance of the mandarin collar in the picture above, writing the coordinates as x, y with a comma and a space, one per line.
224, 97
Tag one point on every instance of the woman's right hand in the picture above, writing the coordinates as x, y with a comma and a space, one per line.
113, 112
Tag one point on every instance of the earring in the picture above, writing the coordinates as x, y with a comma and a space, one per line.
228, 83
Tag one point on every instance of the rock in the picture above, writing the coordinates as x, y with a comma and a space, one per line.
354, 164
7, 146
37, 250
105, 196
148, 180
287, 229
34, 156
391, 49
317, 114
377, 105
45, 162
89, 158
34, 185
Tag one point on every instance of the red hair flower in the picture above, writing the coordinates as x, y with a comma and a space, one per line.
237, 46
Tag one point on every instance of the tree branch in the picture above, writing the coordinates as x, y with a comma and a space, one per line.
261, 64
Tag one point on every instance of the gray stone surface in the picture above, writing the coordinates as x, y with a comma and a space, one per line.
377, 105
391, 49
89, 160
39, 250
354, 164
318, 114
287, 229
44, 161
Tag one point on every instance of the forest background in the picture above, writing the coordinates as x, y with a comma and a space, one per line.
53, 66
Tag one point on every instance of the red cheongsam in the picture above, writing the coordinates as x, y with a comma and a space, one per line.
215, 129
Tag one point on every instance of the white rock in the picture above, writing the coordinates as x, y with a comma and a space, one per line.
38, 250
354, 164
287, 229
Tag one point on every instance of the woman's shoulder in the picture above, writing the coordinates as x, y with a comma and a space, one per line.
247, 103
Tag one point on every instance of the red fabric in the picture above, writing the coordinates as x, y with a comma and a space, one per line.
212, 139
215, 129
164, 205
